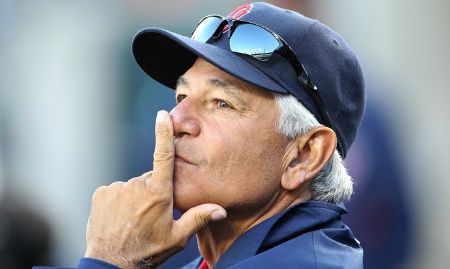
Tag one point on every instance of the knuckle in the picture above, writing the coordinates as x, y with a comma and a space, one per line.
146, 175
116, 184
100, 189
98, 192
160, 198
162, 130
104, 191
134, 181
163, 154
146, 178
133, 187
200, 220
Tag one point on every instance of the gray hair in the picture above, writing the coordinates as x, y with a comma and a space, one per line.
332, 184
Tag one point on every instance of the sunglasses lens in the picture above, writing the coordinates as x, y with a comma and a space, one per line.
253, 40
206, 29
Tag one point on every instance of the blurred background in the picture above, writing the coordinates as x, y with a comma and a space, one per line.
76, 112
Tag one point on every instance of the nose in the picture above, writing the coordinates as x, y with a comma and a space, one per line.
185, 119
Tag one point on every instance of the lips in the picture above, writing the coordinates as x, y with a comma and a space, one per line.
186, 153
179, 157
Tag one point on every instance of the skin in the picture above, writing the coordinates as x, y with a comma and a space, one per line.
230, 127
220, 160
226, 130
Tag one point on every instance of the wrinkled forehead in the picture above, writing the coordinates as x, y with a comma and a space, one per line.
204, 73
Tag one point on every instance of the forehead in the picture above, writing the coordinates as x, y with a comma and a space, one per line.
202, 73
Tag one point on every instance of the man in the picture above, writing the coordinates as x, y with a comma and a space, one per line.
268, 101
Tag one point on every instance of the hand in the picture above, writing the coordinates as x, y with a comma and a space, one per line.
131, 223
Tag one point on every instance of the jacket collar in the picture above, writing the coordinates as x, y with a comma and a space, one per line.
294, 221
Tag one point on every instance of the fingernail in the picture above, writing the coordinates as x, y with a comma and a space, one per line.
218, 215
161, 115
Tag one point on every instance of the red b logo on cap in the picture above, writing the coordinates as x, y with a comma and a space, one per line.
238, 13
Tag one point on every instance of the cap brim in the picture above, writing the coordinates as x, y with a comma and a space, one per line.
165, 56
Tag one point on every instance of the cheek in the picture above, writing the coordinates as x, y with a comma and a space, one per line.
242, 168
220, 151
245, 166
246, 146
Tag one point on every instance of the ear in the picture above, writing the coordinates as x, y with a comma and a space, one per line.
307, 156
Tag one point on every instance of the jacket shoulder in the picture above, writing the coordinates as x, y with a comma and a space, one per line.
337, 248
318, 249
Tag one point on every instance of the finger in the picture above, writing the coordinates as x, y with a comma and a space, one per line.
198, 218
163, 157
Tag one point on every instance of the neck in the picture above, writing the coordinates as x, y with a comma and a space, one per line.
217, 237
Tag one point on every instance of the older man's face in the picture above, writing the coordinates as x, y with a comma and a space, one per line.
227, 148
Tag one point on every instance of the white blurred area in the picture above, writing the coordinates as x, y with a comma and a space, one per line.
59, 102
62, 85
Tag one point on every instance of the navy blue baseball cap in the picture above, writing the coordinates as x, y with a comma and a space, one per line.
330, 62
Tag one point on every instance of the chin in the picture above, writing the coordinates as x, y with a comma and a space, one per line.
184, 202
190, 191
185, 196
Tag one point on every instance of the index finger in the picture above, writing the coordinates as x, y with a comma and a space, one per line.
163, 157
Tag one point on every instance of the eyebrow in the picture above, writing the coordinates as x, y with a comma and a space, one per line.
226, 85
221, 83
182, 81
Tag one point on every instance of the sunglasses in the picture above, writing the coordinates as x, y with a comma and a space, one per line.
251, 39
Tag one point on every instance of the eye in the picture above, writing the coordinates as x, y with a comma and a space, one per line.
180, 98
223, 104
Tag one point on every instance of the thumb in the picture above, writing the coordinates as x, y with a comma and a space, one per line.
198, 218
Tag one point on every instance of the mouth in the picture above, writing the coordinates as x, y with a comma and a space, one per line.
179, 158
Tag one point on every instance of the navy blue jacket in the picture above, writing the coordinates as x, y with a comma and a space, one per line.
308, 235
